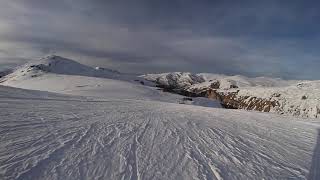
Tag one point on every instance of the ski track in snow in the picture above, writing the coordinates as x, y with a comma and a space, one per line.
130, 139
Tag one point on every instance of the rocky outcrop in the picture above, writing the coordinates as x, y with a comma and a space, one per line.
5, 72
231, 100
174, 81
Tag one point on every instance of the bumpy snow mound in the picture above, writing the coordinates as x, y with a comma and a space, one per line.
176, 80
57, 65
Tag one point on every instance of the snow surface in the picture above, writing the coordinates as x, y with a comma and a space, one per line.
69, 138
120, 129
91, 86
201, 101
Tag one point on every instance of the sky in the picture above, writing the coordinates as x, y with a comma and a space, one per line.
248, 37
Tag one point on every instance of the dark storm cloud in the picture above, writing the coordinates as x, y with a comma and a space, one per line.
269, 38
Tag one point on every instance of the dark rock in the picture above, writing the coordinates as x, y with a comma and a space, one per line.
233, 86
187, 99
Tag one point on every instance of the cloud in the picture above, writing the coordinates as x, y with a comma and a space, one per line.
268, 38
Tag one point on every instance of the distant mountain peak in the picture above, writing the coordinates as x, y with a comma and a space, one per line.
57, 65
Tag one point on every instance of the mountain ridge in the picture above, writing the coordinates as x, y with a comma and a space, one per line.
297, 98
59, 75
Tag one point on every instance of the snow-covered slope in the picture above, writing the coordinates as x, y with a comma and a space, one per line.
91, 86
112, 138
298, 98
60, 75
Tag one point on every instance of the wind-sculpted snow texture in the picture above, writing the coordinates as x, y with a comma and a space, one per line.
56, 137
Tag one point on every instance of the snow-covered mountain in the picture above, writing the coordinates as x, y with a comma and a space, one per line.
57, 65
96, 123
61, 75
186, 80
239, 92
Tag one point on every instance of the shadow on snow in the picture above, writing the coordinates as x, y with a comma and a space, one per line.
315, 166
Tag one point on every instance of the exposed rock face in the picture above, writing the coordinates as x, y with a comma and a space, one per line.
231, 100
4, 73
300, 99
